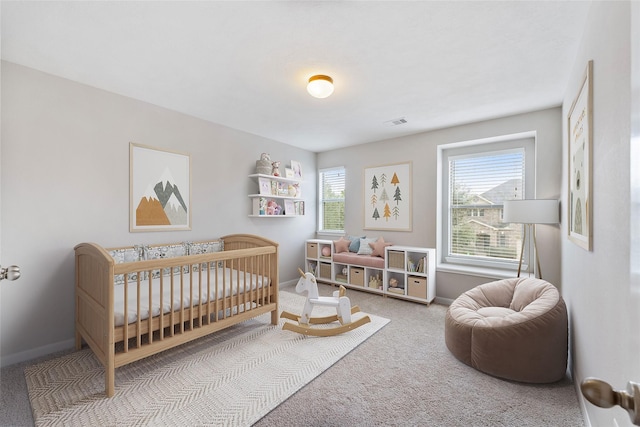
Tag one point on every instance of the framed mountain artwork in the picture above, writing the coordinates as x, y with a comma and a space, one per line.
387, 197
160, 189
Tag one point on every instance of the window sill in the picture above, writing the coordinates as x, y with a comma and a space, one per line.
330, 233
493, 273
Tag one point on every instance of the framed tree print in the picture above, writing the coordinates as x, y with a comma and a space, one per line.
579, 126
387, 197
160, 189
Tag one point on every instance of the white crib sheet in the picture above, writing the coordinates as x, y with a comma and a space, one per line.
228, 284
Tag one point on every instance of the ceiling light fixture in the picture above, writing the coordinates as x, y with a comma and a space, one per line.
320, 86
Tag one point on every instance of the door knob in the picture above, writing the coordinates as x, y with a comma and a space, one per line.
601, 394
10, 273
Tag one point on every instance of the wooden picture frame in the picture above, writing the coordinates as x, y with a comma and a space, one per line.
160, 189
580, 156
387, 197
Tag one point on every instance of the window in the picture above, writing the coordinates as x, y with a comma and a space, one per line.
331, 200
475, 179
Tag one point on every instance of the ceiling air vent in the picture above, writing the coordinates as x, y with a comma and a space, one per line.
396, 122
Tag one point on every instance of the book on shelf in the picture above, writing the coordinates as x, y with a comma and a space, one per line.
265, 186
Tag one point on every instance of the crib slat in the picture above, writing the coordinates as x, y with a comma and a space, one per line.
240, 287
208, 293
264, 281
236, 303
224, 291
217, 290
137, 321
172, 311
150, 315
191, 302
260, 269
245, 293
161, 331
126, 311
181, 304
204, 295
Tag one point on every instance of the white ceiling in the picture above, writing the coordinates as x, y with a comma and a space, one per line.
245, 64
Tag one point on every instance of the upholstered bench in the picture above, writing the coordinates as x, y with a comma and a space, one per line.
514, 329
361, 260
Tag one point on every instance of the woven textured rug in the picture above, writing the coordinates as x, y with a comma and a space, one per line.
232, 377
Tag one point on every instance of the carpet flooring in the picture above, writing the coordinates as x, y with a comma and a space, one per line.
402, 376
233, 377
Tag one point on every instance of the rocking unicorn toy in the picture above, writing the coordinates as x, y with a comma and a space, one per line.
341, 302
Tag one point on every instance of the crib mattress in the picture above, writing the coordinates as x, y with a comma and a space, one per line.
229, 282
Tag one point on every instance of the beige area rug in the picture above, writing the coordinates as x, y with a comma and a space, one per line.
233, 377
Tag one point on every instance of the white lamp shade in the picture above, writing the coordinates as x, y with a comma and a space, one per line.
531, 211
320, 86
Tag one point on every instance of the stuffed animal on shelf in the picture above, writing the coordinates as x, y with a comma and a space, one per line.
271, 207
393, 283
275, 171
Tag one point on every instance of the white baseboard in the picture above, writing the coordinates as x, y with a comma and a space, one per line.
25, 356
289, 283
443, 301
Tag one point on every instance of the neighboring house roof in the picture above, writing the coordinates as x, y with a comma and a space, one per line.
494, 227
508, 190
480, 200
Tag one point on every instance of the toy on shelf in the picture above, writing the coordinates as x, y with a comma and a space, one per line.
272, 208
275, 171
339, 300
375, 282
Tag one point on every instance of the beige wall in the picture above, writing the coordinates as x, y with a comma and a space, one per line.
421, 150
65, 180
603, 306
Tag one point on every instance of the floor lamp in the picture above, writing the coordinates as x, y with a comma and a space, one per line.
531, 212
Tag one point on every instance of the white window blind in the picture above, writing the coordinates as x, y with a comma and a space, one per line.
331, 196
476, 180
479, 184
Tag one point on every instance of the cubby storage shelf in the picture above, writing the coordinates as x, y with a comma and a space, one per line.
409, 272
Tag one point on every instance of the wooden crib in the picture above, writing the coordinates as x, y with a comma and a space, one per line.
126, 311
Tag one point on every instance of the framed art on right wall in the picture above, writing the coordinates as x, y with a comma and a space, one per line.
579, 127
